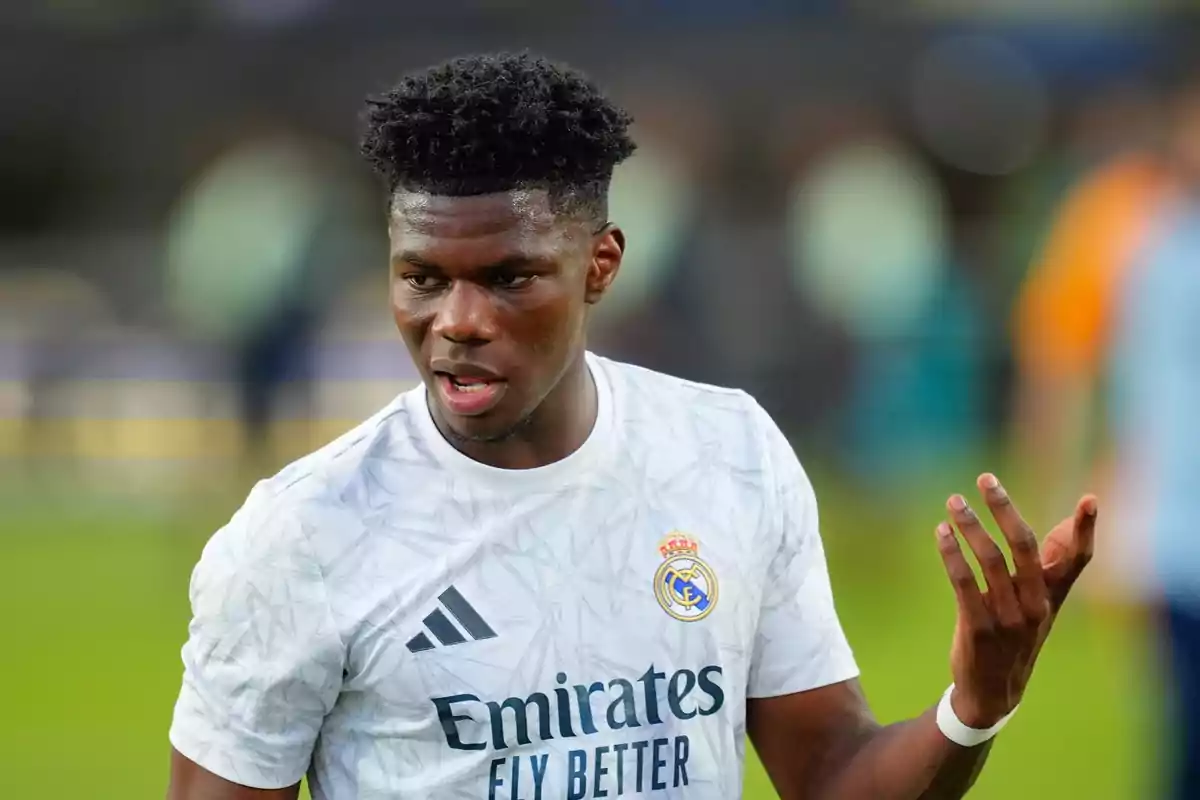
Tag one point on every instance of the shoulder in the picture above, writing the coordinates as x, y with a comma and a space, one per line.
328, 471
716, 419
642, 379
645, 390
284, 516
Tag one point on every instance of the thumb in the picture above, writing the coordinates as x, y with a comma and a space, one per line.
1073, 537
1068, 549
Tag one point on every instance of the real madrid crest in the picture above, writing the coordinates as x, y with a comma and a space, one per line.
684, 585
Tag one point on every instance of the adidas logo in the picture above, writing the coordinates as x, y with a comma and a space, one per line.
445, 631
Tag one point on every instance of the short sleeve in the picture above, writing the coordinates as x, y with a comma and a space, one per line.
800, 644
263, 660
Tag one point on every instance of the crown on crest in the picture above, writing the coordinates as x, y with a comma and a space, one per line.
678, 544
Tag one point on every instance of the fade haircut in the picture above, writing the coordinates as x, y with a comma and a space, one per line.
482, 124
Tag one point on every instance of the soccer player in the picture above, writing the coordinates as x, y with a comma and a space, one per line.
546, 574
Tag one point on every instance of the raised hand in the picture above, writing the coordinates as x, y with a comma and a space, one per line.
999, 632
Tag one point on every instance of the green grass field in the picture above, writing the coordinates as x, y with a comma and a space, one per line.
94, 609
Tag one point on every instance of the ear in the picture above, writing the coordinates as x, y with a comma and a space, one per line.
607, 250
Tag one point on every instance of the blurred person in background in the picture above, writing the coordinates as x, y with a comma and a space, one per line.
256, 250
1065, 308
1156, 418
896, 292
1109, 347
657, 194
1109, 131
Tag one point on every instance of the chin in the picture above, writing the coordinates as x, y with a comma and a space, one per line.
483, 429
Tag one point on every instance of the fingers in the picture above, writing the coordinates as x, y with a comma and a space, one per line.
1022, 542
1001, 593
970, 601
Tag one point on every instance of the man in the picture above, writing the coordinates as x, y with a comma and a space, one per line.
1155, 388
1131, 351
545, 574
1067, 308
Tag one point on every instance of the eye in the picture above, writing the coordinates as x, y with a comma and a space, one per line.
421, 281
511, 280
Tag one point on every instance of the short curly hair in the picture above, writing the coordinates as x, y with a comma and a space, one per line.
481, 124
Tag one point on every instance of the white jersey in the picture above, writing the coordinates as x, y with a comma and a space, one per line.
400, 621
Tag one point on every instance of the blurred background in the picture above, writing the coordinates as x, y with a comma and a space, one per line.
933, 237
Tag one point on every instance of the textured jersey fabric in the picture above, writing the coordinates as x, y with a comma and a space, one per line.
400, 621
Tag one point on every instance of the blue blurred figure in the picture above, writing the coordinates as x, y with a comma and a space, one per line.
1156, 418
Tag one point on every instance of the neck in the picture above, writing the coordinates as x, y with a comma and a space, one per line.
558, 427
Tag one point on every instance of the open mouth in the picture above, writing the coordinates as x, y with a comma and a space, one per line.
469, 384
469, 396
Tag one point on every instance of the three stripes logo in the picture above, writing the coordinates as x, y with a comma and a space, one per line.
445, 631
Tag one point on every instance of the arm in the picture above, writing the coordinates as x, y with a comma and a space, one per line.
190, 781
262, 664
826, 744
806, 715
846, 752
1054, 414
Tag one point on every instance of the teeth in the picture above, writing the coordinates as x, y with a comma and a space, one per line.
472, 386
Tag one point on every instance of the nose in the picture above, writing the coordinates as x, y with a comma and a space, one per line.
465, 315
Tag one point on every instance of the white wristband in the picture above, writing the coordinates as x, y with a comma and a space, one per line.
954, 729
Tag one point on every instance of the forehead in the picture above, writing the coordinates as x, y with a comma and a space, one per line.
492, 226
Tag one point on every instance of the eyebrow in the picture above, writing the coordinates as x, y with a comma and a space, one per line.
510, 262
409, 257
